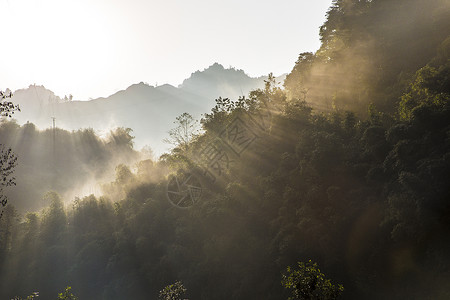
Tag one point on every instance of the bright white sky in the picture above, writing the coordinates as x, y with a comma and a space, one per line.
93, 48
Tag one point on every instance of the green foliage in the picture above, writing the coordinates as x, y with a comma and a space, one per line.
121, 137
67, 294
7, 108
307, 282
370, 194
54, 218
8, 160
429, 88
174, 291
74, 160
297, 80
369, 52
34, 295
362, 188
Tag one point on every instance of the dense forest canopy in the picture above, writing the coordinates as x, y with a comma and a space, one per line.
63, 161
369, 52
347, 166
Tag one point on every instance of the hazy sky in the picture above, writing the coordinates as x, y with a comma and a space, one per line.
93, 48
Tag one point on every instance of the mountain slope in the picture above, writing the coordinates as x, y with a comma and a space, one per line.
148, 110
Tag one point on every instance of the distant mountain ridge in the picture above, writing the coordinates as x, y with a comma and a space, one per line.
148, 110
216, 80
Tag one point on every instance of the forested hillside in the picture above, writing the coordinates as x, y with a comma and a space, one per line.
369, 52
347, 166
149, 110
71, 163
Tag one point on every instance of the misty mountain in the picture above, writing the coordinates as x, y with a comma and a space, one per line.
148, 110
217, 81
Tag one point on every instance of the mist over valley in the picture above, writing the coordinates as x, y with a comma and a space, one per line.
328, 182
